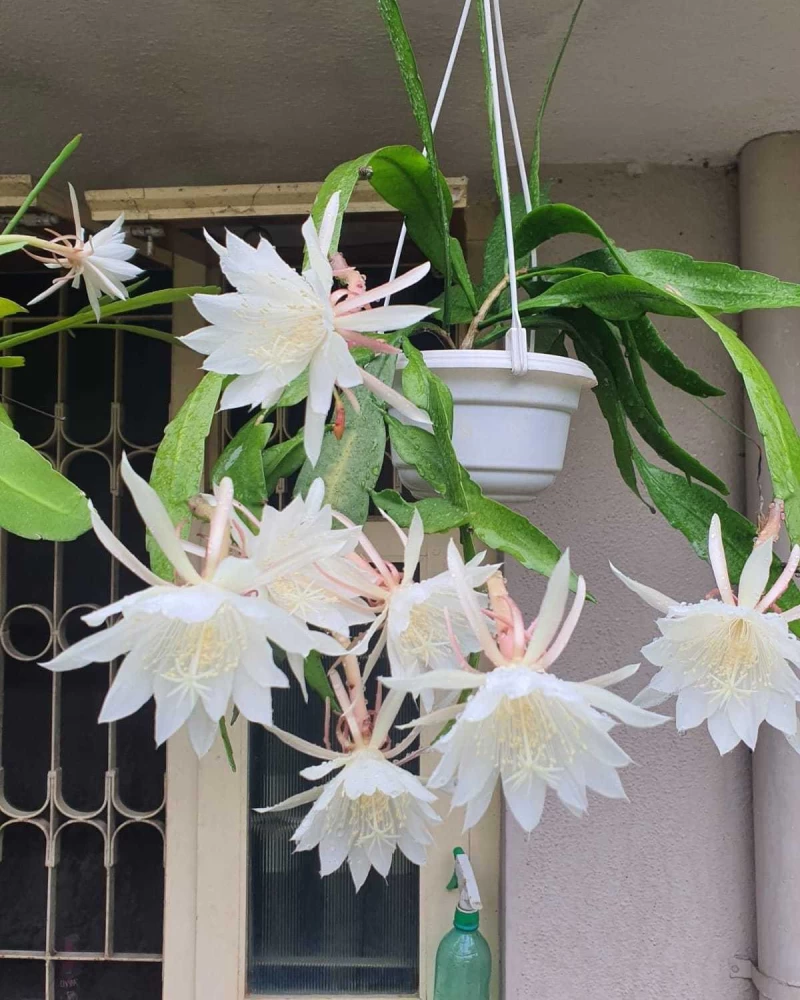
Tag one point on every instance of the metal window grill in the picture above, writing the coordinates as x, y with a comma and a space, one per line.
81, 805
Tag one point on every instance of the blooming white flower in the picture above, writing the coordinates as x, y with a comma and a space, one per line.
522, 725
194, 646
278, 323
369, 808
102, 260
726, 659
421, 619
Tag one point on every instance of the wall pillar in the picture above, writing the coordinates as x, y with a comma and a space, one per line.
770, 241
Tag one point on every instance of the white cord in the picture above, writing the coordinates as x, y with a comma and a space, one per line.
516, 338
434, 120
512, 114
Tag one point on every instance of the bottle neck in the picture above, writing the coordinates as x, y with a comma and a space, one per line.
466, 920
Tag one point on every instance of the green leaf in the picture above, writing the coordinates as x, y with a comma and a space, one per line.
460, 309
781, 440
296, 391
634, 360
614, 297
12, 361
665, 363
603, 341
547, 221
33, 194
426, 390
495, 259
419, 448
4, 417
178, 465
242, 460
716, 286
402, 177
501, 528
438, 515
404, 53
487, 92
350, 467
689, 507
9, 308
317, 679
36, 501
462, 273
12, 245
85, 318
342, 179
534, 181
283, 460
605, 393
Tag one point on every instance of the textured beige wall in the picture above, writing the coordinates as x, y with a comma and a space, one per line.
649, 899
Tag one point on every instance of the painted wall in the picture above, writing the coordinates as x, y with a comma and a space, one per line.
650, 899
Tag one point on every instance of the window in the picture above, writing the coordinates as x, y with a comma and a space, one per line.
81, 805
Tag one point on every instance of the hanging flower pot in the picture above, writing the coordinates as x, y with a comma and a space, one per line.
509, 431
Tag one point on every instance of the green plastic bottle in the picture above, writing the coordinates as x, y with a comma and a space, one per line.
463, 959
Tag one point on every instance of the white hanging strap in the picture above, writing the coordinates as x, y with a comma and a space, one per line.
434, 121
512, 115
516, 338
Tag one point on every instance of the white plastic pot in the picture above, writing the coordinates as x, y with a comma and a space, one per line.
509, 431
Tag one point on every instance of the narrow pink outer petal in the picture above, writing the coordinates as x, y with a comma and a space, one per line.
297, 743
719, 565
783, 581
469, 604
386, 716
381, 291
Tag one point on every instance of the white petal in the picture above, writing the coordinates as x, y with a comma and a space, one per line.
614, 677
652, 597
173, 708
443, 680
692, 708
158, 521
416, 538
130, 689
782, 712
301, 799
313, 433
328, 223
317, 258
110, 541
551, 610
630, 714
202, 731
526, 801
651, 697
101, 647
297, 743
398, 284
722, 732
253, 700
755, 575
395, 399
719, 564
382, 319
744, 720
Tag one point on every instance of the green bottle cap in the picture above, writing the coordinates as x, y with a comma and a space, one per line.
466, 921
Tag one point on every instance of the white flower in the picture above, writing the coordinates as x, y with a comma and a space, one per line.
278, 323
523, 725
727, 659
299, 554
101, 260
369, 808
194, 646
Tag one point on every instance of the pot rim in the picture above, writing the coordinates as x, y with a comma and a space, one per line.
495, 360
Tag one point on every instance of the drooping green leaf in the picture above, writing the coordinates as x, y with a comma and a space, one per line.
317, 679
9, 308
460, 309
634, 359
665, 363
402, 177
283, 460
714, 285
487, 91
608, 400
404, 53
425, 389
547, 221
242, 461
419, 448
36, 501
350, 467
178, 466
781, 440
614, 297
438, 515
39, 186
85, 317
689, 507
603, 341
461, 272
534, 181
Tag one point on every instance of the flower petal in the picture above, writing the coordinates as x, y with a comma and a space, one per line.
399, 283
301, 799
612, 704
719, 564
755, 575
383, 318
551, 610
101, 647
131, 688
650, 596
